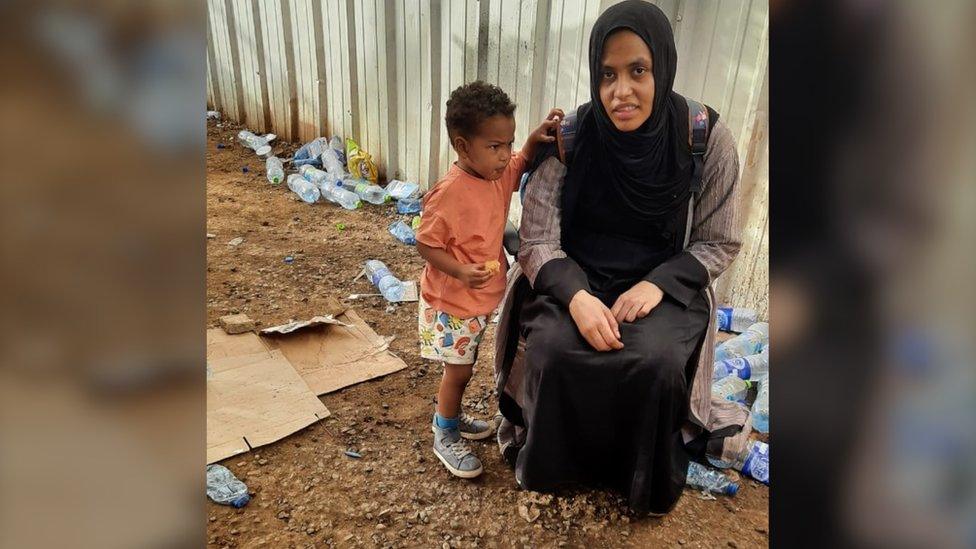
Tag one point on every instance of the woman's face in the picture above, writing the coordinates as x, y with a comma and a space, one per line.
626, 82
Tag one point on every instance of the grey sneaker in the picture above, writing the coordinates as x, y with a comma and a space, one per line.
473, 429
455, 454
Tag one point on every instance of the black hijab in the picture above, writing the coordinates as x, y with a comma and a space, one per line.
649, 169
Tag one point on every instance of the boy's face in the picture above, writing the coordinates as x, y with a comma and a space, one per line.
488, 152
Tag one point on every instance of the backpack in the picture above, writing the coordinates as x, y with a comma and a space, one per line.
699, 127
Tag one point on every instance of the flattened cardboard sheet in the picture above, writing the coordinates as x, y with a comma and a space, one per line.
254, 395
333, 355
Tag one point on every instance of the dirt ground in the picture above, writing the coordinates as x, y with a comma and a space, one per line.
306, 491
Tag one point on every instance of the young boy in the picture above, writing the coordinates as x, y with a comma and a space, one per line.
460, 237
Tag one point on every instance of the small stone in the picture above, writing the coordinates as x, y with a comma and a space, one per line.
732, 544
236, 324
381, 526
213, 518
529, 513
211, 235
262, 461
761, 530
236, 242
681, 542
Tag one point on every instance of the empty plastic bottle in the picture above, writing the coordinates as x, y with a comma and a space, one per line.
731, 388
258, 144
735, 319
760, 408
408, 206
374, 194
747, 343
748, 367
402, 189
403, 233
754, 461
275, 169
305, 189
310, 153
415, 222
224, 488
703, 478
337, 145
317, 176
381, 277
332, 164
334, 193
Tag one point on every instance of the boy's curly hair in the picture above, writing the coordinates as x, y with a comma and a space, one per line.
472, 104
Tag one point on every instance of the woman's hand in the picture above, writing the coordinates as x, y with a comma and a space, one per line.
594, 322
545, 133
637, 302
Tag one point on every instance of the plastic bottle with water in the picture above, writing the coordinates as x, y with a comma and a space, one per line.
332, 164
402, 189
747, 343
333, 192
731, 388
735, 319
374, 194
408, 206
275, 170
760, 408
703, 478
381, 277
748, 367
224, 488
305, 189
402, 232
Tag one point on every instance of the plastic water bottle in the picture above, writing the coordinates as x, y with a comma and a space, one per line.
332, 164
334, 193
760, 408
735, 319
317, 176
389, 285
403, 233
310, 153
305, 189
224, 488
402, 189
756, 461
748, 367
731, 388
374, 194
703, 478
337, 145
408, 206
747, 343
257, 143
275, 169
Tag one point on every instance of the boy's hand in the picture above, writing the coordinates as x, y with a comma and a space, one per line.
545, 133
473, 275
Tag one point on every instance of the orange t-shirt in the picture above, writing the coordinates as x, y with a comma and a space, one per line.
465, 215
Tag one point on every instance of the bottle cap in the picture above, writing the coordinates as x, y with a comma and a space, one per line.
732, 489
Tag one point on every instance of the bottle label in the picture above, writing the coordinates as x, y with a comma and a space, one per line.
739, 367
757, 464
724, 318
378, 275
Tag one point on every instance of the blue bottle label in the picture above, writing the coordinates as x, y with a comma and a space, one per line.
724, 318
757, 464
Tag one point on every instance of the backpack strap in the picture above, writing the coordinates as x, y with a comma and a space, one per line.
698, 130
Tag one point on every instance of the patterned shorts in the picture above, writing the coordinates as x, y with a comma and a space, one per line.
447, 338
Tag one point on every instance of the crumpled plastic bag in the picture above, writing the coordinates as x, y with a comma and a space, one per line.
359, 162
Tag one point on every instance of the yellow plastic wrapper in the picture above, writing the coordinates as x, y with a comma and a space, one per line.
493, 267
359, 162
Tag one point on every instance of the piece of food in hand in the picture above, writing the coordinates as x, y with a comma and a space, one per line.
493, 267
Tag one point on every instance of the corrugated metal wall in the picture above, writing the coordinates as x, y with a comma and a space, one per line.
380, 71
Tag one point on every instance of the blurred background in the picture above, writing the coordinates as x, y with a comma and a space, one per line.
871, 238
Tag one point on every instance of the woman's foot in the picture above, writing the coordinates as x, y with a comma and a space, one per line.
455, 454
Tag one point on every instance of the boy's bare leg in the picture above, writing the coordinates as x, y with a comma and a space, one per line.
453, 383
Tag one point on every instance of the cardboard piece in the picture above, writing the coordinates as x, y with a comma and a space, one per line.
410, 291
254, 395
334, 353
